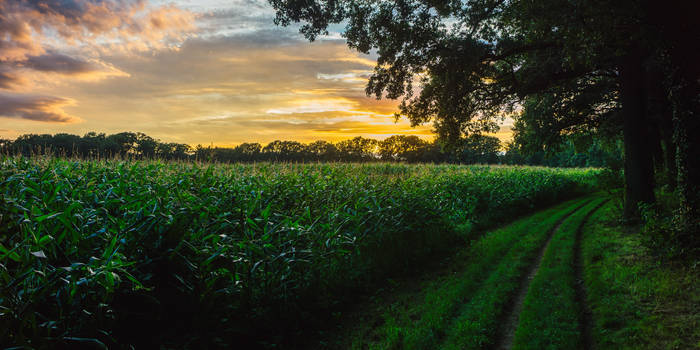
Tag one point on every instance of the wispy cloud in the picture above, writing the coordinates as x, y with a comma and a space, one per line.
209, 71
37, 108
28, 27
46, 42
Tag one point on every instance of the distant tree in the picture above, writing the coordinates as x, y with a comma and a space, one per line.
402, 148
248, 152
146, 146
358, 149
65, 144
322, 151
122, 144
5, 146
477, 148
284, 151
93, 145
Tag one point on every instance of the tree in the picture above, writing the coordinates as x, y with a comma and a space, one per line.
5, 146
477, 59
322, 151
284, 151
478, 148
122, 144
402, 148
92, 145
145, 145
358, 149
247, 152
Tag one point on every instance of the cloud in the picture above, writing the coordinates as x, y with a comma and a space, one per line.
314, 106
37, 108
43, 42
34, 34
28, 24
254, 87
236, 78
10, 79
56, 62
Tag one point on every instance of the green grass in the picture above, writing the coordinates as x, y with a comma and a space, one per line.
478, 323
460, 309
115, 251
637, 301
550, 315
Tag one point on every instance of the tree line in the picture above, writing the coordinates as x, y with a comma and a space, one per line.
474, 149
622, 69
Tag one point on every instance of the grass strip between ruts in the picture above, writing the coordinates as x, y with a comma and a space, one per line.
423, 325
477, 325
550, 315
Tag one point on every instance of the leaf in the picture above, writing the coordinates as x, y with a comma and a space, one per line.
91, 342
45, 239
39, 254
12, 254
47, 216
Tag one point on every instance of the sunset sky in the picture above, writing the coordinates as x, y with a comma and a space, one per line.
197, 72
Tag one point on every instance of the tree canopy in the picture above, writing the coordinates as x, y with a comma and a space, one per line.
613, 67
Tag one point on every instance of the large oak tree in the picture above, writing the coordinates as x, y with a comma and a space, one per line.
461, 64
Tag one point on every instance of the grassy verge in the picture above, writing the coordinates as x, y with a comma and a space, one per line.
637, 302
550, 315
477, 325
419, 320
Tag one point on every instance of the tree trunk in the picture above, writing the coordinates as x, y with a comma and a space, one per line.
686, 120
660, 119
639, 170
677, 26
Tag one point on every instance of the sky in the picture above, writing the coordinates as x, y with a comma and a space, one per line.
190, 71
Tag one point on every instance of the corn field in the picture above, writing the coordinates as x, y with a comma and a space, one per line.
109, 253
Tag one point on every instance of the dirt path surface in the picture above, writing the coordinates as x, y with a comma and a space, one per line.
504, 340
586, 320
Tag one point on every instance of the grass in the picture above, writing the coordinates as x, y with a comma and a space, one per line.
637, 301
460, 308
153, 253
477, 326
550, 318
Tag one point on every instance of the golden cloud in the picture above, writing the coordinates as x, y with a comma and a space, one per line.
44, 42
37, 108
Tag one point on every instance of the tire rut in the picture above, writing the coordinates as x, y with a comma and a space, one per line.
506, 335
586, 316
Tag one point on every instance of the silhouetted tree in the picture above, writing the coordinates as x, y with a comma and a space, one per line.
594, 61
402, 148
478, 148
122, 144
358, 149
284, 150
322, 151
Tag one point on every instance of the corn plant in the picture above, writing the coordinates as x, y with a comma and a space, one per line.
113, 252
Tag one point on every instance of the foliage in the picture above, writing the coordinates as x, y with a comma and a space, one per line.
637, 302
473, 149
403, 148
459, 305
477, 148
667, 233
151, 253
95, 146
598, 67
571, 152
